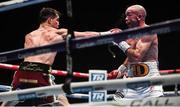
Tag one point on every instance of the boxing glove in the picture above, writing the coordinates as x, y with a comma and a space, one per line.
117, 73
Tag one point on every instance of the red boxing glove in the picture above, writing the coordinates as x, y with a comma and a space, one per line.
113, 74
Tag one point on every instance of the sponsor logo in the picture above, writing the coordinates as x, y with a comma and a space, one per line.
155, 102
82, 89
27, 96
97, 76
97, 96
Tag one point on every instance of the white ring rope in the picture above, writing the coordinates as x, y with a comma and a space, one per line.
13, 4
85, 96
89, 86
10, 2
4, 88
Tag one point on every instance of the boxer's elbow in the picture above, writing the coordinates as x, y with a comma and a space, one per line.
135, 55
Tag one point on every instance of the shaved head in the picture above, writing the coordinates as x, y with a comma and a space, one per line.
138, 9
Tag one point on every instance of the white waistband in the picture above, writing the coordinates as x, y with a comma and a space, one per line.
152, 67
151, 64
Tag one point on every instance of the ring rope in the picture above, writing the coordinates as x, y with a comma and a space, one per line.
54, 72
158, 28
4, 88
110, 96
13, 4
88, 86
76, 74
85, 96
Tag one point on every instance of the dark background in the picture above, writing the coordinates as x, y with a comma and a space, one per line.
94, 15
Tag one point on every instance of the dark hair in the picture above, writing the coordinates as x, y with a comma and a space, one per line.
47, 12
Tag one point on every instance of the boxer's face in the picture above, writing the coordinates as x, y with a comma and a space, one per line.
131, 18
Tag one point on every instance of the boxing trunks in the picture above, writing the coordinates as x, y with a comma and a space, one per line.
142, 90
30, 75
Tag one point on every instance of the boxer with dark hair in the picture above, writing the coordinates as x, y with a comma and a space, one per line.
34, 71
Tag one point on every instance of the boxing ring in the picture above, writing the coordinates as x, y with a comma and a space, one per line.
81, 87
78, 88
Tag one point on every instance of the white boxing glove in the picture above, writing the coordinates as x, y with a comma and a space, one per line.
105, 33
123, 45
122, 68
117, 73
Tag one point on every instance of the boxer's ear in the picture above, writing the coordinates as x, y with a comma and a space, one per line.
139, 16
49, 20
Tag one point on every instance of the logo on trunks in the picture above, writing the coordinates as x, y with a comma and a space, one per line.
30, 67
139, 70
